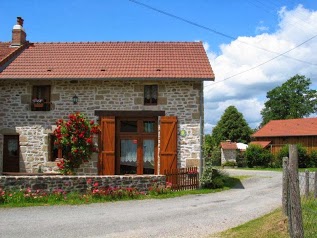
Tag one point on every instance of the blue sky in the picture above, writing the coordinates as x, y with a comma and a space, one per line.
123, 20
277, 26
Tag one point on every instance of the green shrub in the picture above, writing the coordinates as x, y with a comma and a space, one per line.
212, 178
257, 156
313, 158
215, 157
276, 162
303, 157
230, 163
241, 160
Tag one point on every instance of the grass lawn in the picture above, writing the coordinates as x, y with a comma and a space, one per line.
273, 225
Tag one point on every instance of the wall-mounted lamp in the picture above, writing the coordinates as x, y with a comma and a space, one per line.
75, 99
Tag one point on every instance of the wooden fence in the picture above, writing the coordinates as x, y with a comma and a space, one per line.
183, 178
299, 197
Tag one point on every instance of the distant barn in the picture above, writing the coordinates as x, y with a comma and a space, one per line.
277, 133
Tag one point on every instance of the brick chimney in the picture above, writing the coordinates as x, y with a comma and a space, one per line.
18, 33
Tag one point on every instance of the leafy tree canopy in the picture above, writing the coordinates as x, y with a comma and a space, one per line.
232, 126
293, 99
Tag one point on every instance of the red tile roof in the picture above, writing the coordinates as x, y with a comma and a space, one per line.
263, 144
291, 127
168, 60
6, 51
228, 145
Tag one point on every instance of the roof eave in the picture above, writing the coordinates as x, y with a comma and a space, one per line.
10, 57
112, 78
255, 136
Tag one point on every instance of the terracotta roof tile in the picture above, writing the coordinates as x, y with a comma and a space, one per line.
263, 144
187, 60
291, 127
6, 51
228, 145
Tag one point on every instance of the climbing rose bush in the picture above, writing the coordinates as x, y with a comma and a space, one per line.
75, 137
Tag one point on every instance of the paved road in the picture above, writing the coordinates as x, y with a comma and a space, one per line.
189, 216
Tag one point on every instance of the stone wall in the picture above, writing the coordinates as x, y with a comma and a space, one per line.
176, 98
228, 155
79, 183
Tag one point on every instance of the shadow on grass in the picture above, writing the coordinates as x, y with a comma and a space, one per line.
234, 183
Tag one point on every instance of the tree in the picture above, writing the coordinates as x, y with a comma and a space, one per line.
232, 126
293, 99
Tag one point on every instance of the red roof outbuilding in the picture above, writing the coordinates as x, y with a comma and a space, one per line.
228, 145
290, 127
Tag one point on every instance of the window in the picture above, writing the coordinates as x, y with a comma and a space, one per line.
54, 151
149, 126
128, 126
150, 94
41, 97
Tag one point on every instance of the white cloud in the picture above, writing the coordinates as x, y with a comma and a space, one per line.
247, 90
261, 29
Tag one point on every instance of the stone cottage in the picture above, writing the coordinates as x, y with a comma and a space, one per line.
146, 96
228, 151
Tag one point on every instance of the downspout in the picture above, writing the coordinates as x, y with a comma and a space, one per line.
201, 154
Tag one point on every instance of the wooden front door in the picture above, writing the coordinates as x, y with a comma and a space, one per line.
136, 145
11, 153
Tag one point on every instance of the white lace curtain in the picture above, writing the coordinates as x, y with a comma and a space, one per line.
129, 151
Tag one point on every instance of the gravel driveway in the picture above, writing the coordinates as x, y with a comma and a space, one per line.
188, 216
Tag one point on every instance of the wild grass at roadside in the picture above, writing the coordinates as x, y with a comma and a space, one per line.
273, 225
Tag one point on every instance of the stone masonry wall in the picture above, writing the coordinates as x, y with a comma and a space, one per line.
228, 156
176, 98
79, 183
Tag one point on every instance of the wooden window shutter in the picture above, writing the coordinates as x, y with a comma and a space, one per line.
107, 155
168, 143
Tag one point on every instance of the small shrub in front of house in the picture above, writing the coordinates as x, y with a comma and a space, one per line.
257, 156
304, 160
215, 156
229, 164
212, 178
241, 160
75, 137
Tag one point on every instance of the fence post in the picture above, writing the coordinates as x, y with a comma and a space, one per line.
297, 229
306, 183
285, 187
315, 182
